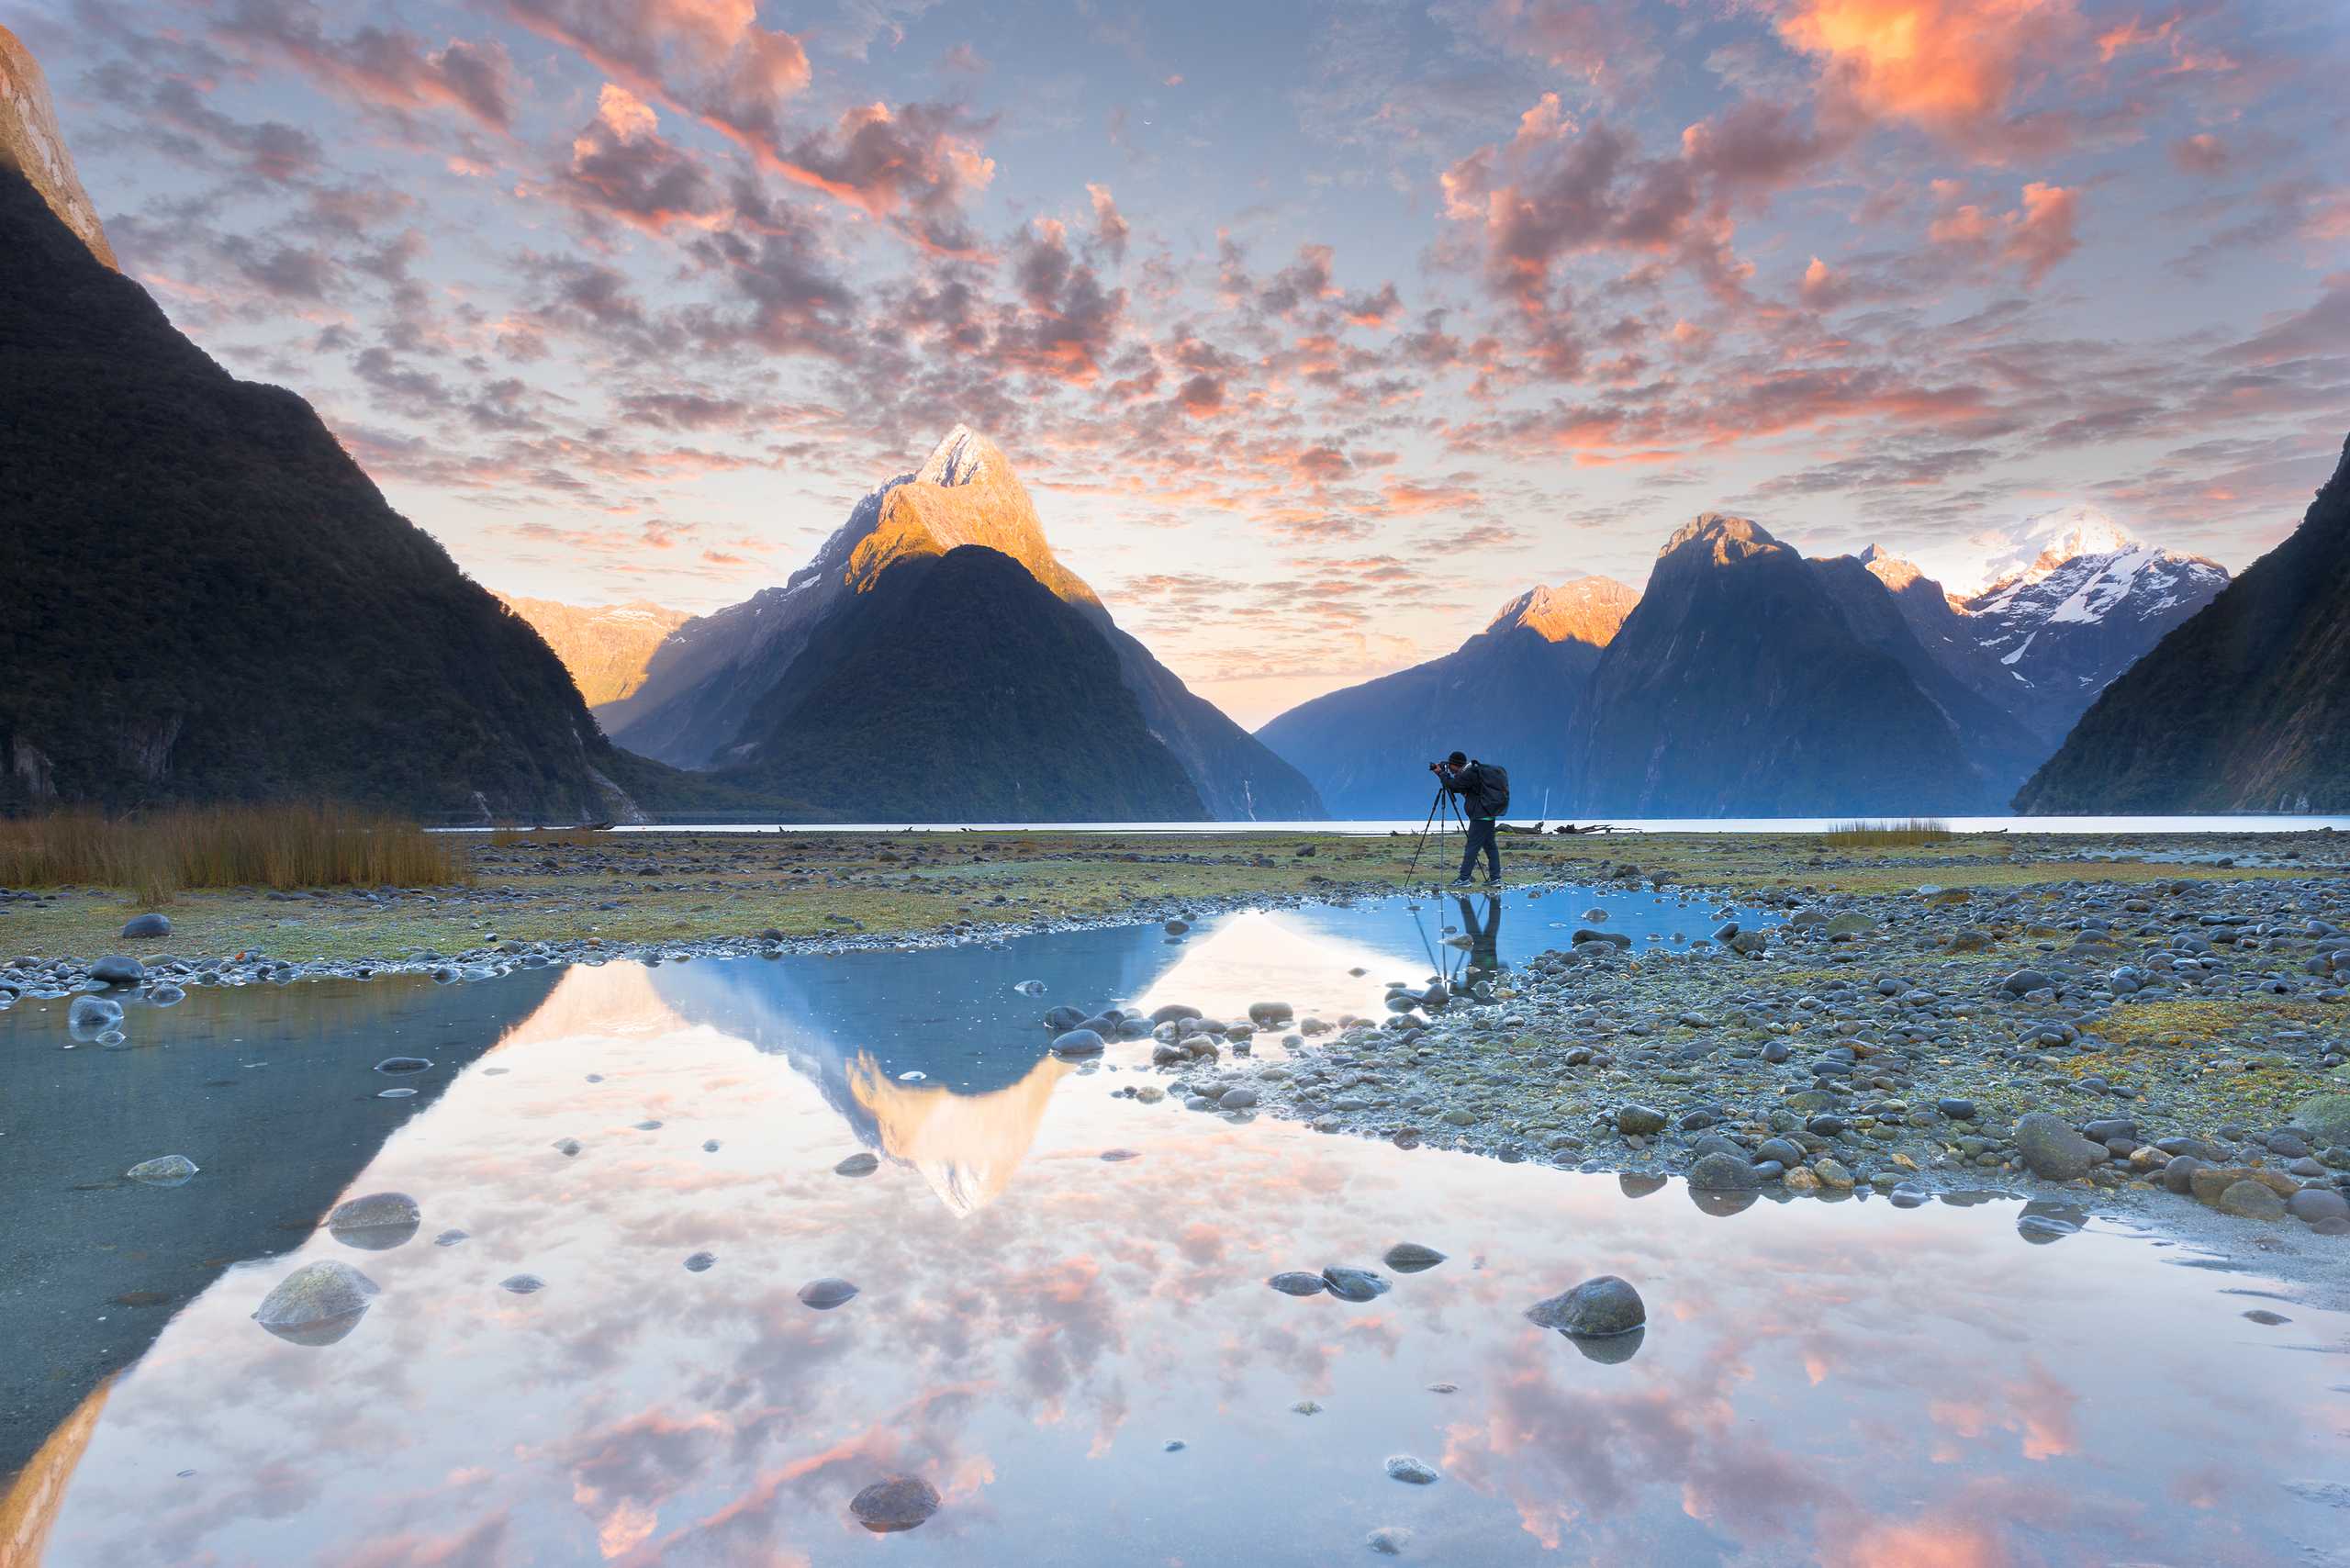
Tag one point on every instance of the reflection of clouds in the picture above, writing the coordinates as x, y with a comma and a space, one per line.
1804, 1369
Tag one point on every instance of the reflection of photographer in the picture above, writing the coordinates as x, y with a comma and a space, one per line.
1484, 936
1482, 791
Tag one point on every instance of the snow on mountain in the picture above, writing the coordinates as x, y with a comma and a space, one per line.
2043, 543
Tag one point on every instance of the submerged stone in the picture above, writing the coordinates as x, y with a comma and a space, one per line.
827, 1293
1411, 1258
700, 1261
169, 1170
1594, 1310
522, 1284
376, 1223
1410, 1471
1354, 1284
858, 1165
1297, 1282
898, 1503
317, 1304
91, 1015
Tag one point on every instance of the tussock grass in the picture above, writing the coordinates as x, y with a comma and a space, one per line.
155, 857
1866, 835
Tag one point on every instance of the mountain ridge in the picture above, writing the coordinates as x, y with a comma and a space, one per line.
2246, 706
1505, 692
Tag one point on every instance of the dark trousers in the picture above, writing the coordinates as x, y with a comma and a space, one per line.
1481, 836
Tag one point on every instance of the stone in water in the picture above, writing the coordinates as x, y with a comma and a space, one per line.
899, 1502
318, 1304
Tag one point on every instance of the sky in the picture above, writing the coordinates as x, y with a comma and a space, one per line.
1318, 331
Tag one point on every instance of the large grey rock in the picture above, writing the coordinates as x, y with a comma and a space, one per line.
2025, 981
2315, 1203
1594, 1310
2250, 1199
118, 969
147, 925
2325, 1115
2050, 1149
1078, 1043
1354, 1284
1719, 1172
1639, 1121
1411, 1258
826, 1294
898, 1503
318, 1304
376, 1223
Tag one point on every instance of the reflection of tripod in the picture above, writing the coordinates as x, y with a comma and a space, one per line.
1444, 811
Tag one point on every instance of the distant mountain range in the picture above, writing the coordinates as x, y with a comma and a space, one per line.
2244, 708
207, 599
1766, 683
1509, 692
707, 698
605, 647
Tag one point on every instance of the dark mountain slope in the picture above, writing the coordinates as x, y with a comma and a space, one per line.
1506, 694
2246, 707
1999, 749
1737, 688
959, 688
209, 600
702, 683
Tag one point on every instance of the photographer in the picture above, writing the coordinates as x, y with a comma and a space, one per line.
1467, 781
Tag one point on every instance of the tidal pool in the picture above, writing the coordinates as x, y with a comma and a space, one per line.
1080, 1354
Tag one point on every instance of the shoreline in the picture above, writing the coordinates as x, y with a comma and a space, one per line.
1827, 1058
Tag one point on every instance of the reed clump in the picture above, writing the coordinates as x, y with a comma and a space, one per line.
1872, 835
155, 855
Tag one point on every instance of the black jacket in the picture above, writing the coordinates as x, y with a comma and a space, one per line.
1469, 783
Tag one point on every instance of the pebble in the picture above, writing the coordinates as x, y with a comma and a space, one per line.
899, 1503
1410, 1471
864, 1164
827, 1293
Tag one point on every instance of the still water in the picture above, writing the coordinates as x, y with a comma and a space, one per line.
1036, 1327
2091, 825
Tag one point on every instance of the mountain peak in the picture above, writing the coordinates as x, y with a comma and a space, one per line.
1585, 609
30, 142
964, 493
2044, 542
961, 456
1720, 535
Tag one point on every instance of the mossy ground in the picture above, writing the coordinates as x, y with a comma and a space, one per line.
679, 887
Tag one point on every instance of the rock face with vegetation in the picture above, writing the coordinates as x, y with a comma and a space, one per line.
1739, 687
209, 600
702, 686
1507, 693
960, 686
2246, 707
605, 647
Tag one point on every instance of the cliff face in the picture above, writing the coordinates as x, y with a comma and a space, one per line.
704, 684
209, 600
1509, 694
2244, 708
605, 647
960, 687
1737, 687
31, 145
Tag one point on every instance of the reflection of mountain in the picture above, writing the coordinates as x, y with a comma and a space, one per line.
29, 1505
965, 1146
270, 1091
853, 1021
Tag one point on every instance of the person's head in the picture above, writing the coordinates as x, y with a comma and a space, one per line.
1458, 759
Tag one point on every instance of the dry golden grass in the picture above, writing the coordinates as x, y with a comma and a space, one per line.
1870, 835
152, 857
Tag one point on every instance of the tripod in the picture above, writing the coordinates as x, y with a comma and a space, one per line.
1443, 813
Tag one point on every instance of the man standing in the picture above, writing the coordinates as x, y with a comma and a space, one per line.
1466, 780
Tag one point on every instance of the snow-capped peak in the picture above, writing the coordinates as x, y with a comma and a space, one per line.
2040, 544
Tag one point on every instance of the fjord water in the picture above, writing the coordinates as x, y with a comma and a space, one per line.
1036, 1327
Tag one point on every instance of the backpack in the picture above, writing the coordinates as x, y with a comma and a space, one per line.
1495, 793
